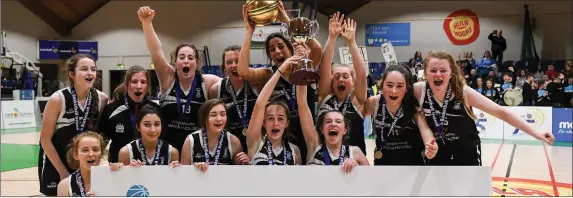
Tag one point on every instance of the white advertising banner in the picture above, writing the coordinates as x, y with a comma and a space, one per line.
293, 181
18, 114
539, 117
489, 126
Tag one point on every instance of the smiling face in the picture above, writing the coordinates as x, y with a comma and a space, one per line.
342, 80
394, 88
186, 61
438, 73
137, 86
88, 152
276, 121
278, 50
217, 118
150, 127
333, 128
84, 74
231, 62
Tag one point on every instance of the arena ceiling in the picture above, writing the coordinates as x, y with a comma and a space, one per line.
63, 15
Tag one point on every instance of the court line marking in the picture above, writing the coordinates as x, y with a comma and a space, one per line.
555, 191
505, 181
496, 155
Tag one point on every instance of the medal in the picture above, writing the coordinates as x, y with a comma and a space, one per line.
217, 151
440, 125
187, 106
245, 131
378, 154
80, 184
81, 127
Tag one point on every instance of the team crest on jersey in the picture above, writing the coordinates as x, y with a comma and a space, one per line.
119, 128
457, 105
198, 92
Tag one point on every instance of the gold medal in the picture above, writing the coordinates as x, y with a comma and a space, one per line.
378, 154
245, 131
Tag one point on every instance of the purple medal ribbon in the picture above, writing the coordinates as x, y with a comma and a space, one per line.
187, 106
341, 156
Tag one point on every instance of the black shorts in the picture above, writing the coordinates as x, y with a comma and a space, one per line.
48, 175
449, 155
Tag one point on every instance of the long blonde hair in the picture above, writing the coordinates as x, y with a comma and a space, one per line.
457, 79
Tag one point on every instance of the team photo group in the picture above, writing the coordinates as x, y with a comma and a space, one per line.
304, 109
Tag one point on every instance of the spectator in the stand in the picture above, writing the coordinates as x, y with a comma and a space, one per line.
568, 70
469, 62
485, 64
551, 73
521, 78
527, 91
556, 93
471, 78
491, 75
506, 86
498, 45
568, 92
543, 98
479, 85
539, 74
491, 92
418, 60
413, 67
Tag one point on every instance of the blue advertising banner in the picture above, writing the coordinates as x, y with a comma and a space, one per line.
563, 124
49, 49
396, 33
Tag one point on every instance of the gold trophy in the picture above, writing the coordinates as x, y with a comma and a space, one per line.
262, 12
302, 30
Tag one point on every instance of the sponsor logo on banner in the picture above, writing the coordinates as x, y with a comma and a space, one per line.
488, 126
563, 124
539, 117
462, 27
137, 191
262, 32
529, 187
18, 114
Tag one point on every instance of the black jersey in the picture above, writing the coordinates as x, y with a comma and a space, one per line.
65, 131
239, 108
117, 123
459, 144
225, 157
76, 185
403, 144
323, 155
286, 92
350, 112
181, 121
162, 153
285, 154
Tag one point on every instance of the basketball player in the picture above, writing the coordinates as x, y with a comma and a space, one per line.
447, 102
212, 145
338, 89
117, 122
330, 148
85, 151
238, 95
278, 49
149, 149
182, 86
273, 118
69, 111
398, 127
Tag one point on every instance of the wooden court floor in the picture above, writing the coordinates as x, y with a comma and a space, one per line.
519, 168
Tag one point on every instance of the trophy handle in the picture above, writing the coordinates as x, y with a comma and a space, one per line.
313, 29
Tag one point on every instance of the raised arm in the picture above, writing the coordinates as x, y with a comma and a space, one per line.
306, 121
481, 102
359, 67
257, 118
253, 75
165, 72
334, 29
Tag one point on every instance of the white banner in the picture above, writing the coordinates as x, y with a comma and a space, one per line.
388, 53
346, 57
18, 114
262, 32
293, 181
538, 117
489, 126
